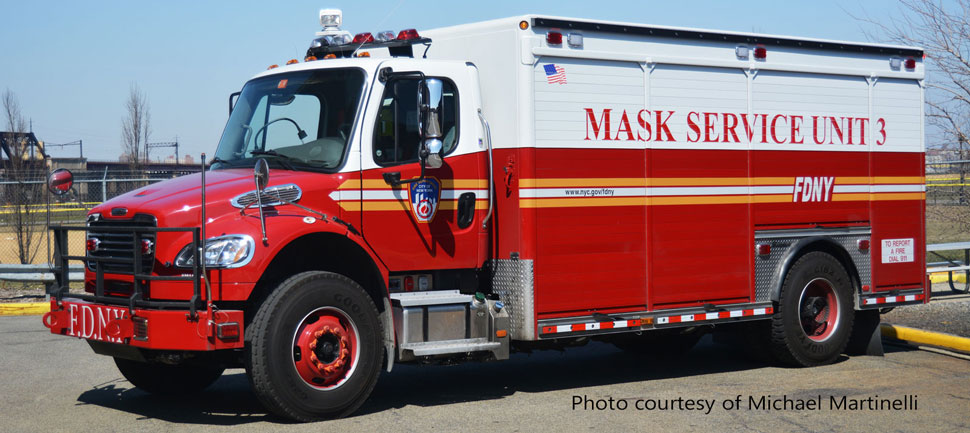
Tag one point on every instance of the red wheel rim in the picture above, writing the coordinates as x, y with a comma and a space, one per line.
818, 309
325, 348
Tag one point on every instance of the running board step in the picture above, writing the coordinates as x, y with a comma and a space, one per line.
452, 346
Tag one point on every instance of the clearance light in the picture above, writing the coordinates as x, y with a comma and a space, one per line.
554, 38
227, 331
292, 61
330, 56
910, 63
523, 25
501, 333
386, 35
760, 53
575, 40
408, 283
763, 249
272, 67
363, 38
363, 54
310, 58
408, 34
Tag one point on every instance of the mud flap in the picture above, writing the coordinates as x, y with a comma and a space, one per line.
387, 321
866, 339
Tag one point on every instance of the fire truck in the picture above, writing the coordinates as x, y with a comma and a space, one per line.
524, 183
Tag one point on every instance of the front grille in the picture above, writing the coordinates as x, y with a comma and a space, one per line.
119, 243
289, 192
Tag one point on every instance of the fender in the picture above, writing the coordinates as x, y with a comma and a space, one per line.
334, 226
794, 251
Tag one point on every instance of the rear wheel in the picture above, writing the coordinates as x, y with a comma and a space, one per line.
813, 321
315, 347
165, 379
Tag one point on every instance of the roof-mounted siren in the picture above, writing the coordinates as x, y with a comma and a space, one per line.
331, 35
332, 42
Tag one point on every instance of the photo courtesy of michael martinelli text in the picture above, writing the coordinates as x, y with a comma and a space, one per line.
740, 402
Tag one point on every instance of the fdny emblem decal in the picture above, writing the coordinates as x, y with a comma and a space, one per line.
424, 196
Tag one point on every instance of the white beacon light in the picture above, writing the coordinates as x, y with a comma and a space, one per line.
331, 18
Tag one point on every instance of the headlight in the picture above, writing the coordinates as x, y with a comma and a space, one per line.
230, 251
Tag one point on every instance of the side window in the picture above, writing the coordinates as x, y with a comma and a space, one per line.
396, 135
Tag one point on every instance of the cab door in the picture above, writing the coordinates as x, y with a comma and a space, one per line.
435, 222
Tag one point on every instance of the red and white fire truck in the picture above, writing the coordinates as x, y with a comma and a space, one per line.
529, 182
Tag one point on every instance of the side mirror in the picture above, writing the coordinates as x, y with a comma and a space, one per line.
429, 104
261, 175
232, 100
60, 181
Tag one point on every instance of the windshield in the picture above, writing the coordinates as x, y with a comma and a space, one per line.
295, 121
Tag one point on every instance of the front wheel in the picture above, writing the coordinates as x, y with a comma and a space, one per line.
813, 321
315, 347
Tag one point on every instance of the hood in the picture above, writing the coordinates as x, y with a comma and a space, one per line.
175, 202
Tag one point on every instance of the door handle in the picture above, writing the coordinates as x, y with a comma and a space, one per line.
466, 209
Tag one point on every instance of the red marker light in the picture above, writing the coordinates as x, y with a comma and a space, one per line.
554, 38
408, 283
863, 244
408, 34
760, 53
910, 63
363, 38
763, 249
92, 244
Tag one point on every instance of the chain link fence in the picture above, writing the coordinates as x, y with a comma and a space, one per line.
947, 201
23, 234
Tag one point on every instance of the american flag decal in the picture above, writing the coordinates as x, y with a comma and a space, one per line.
555, 74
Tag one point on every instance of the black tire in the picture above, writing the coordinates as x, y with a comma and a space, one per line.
165, 379
279, 362
660, 344
813, 320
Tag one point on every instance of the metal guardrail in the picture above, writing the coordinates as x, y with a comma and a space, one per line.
950, 265
41, 273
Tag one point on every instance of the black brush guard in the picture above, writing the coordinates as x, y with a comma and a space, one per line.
136, 300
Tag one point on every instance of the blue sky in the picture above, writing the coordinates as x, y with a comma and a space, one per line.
71, 63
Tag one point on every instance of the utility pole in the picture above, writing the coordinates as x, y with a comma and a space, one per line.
174, 144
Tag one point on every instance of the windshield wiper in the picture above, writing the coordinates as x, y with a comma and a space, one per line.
282, 159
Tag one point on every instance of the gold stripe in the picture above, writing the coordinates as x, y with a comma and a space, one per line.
879, 180
692, 200
354, 206
862, 196
445, 184
703, 181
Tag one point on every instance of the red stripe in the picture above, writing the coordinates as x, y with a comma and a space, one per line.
578, 327
634, 322
724, 314
769, 310
747, 313
606, 325
675, 319
548, 329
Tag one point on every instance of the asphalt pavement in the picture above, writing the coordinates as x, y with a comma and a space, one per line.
55, 383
